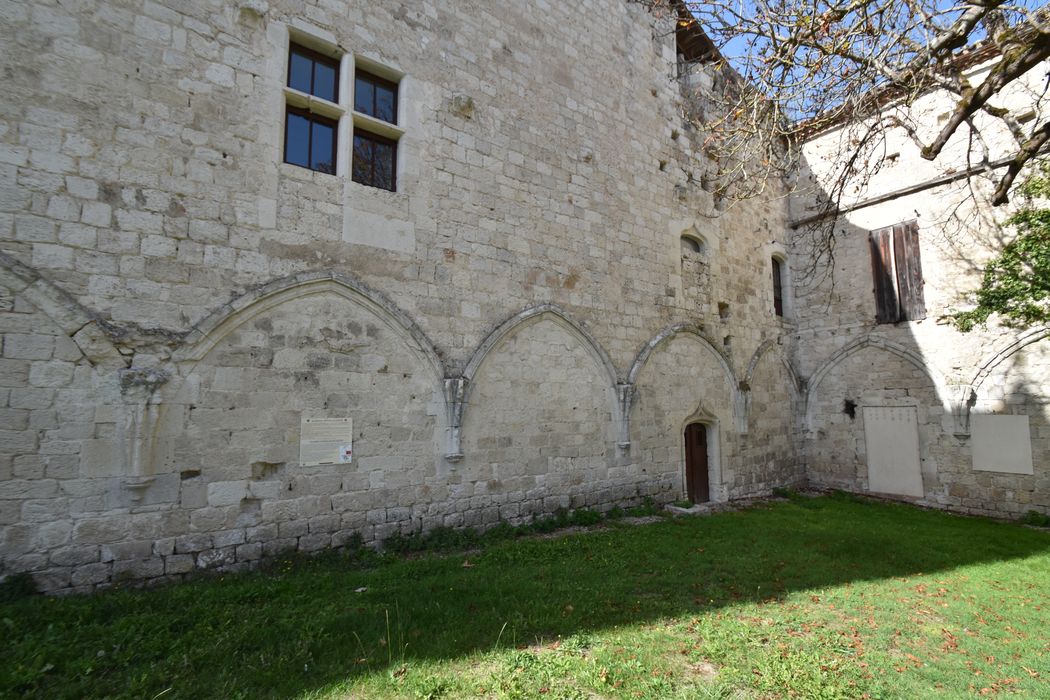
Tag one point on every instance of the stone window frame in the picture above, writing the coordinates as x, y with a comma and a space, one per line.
318, 106
777, 253
778, 285
374, 128
696, 243
342, 112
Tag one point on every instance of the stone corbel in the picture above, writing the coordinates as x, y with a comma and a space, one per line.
624, 401
962, 399
137, 418
455, 395
742, 407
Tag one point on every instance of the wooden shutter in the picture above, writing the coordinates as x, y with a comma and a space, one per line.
887, 309
909, 271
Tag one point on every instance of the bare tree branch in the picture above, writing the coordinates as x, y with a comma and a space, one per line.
1027, 152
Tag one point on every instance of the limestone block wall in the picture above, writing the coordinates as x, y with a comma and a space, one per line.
178, 298
686, 380
538, 429
769, 456
871, 376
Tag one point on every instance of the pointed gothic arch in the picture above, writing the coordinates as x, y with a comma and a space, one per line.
212, 329
940, 385
530, 316
670, 333
1004, 350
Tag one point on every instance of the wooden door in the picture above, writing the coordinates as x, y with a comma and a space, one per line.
697, 485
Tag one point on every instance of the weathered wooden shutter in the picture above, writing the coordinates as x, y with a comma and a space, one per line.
887, 309
909, 271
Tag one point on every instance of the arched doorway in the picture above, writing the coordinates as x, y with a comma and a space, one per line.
697, 469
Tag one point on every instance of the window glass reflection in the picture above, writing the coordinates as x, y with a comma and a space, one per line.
322, 148
297, 140
299, 72
324, 82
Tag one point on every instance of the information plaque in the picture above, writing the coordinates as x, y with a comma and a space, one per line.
326, 441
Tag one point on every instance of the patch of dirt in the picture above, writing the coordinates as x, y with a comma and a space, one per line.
704, 669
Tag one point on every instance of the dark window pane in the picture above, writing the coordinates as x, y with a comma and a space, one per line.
778, 288
364, 98
324, 82
385, 104
321, 148
297, 140
375, 161
362, 165
384, 166
299, 71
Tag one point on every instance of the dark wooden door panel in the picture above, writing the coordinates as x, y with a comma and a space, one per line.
696, 469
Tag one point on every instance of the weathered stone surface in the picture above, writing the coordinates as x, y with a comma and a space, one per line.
137, 570
517, 329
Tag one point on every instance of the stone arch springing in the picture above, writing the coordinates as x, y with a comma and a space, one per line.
766, 346
738, 395
940, 385
670, 333
744, 394
76, 321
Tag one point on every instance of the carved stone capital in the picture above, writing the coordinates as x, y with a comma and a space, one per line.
139, 384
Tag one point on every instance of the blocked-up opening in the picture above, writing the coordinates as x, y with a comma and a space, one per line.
693, 245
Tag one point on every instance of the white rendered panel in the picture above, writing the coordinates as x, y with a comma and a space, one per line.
1001, 444
891, 434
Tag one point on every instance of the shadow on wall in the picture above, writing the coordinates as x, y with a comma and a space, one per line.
893, 394
309, 629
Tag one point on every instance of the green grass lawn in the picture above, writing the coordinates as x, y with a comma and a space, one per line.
811, 597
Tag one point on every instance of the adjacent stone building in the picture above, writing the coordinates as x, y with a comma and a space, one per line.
276, 274
898, 401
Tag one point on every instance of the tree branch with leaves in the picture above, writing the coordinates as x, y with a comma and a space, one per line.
1016, 283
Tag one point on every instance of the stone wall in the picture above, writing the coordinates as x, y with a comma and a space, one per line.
177, 298
950, 377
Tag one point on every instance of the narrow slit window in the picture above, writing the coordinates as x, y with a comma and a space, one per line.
778, 287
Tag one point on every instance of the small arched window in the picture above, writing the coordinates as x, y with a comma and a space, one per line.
778, 286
